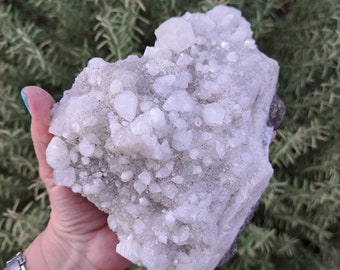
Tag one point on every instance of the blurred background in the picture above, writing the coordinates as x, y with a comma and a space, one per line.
48, 42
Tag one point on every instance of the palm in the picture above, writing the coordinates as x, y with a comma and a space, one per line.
75, 223
80, 223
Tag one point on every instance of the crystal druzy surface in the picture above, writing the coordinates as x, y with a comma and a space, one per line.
173, 145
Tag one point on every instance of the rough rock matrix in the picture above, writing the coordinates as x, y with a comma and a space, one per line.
172, 145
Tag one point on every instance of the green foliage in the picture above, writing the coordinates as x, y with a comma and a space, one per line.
296, 225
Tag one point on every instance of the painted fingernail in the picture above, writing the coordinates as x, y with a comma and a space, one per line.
24, 99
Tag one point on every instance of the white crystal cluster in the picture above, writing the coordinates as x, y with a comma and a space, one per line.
173, 145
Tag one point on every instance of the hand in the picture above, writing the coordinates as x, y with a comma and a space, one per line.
77, 235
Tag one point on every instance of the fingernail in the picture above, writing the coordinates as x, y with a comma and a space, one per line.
24, 99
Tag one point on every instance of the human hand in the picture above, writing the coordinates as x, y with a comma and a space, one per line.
77, 235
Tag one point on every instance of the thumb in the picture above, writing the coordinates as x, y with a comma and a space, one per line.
40, 104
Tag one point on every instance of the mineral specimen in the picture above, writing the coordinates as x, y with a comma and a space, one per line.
173, 145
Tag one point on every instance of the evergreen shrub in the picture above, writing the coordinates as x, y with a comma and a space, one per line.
296, 225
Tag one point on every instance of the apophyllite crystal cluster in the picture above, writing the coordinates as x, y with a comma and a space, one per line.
172, 145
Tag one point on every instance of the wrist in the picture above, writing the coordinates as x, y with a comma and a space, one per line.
46, 252
33, 255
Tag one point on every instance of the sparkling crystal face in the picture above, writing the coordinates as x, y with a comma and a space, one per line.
172, 145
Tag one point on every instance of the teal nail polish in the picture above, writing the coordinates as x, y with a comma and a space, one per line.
24, 99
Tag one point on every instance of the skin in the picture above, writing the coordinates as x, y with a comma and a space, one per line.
77, 235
